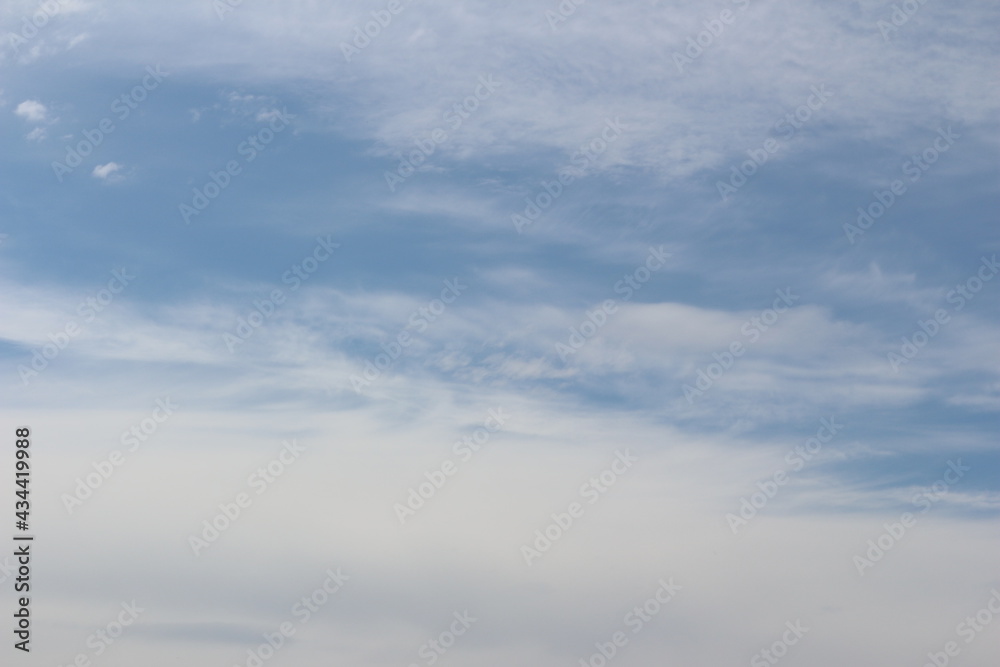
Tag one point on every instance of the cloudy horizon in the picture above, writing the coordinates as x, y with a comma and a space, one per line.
409, 333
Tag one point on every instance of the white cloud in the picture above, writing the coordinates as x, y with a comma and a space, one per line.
644, 351
463, 546
559, 86
82, 37
265, 115
37, 134
106, 171
495, 347
33, 111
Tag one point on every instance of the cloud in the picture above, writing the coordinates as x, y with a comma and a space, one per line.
559, 85
106, 172
82, 37
621, 386
33, 111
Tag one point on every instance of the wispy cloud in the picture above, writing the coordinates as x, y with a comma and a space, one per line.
714, 363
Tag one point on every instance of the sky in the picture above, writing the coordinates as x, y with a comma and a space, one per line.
490, 333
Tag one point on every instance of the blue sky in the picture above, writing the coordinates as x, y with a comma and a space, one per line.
905, 128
